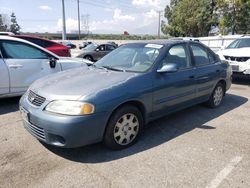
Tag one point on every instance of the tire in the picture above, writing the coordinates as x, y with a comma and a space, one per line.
88, 57
124, 128
216, 96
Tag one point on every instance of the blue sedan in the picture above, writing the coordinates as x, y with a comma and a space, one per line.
114, 98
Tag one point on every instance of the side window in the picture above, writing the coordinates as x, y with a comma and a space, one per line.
200, 55
19, 50
178, 55
212, 57
110, 48
47, 44
101, 48
35, 41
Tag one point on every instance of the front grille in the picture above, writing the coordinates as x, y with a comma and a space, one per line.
35, 130
35, 99
239, 59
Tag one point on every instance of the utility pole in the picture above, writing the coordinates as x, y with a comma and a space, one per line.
79, 26
159, 24
63, 22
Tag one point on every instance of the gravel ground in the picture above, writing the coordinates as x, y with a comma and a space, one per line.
197, 147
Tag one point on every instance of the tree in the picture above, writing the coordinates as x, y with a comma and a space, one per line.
192, 18
3, 25
235, 16
14, 27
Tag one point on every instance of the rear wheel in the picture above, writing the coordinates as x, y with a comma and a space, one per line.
217, 96
124, 128
88, 57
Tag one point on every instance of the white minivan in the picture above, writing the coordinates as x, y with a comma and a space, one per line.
22, 62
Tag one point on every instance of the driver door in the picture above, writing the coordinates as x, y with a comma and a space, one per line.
174, 90
26, 63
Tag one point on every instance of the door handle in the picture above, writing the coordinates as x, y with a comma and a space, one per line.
15, 66
217, 70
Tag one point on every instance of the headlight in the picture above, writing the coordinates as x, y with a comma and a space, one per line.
70, 107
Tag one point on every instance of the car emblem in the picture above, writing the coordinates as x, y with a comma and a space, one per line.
32, 99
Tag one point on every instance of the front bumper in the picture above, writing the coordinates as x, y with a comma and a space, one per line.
61, 130
240, 67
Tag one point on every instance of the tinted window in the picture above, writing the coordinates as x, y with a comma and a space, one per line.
200, 55
35, 41
110, 47
18, 50
178, 55
101, 48
47, 43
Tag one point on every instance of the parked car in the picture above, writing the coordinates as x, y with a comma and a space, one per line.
113, 43
237, 54
94, 52
22, 62
84, 44
119, 94
52, 46
68, 44
6, 33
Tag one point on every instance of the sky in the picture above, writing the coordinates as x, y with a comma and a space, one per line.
105, 16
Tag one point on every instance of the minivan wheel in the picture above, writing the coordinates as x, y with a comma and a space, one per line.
217, 96
124, 128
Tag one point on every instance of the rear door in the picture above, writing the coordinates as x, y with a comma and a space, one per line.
26, 63
208, 69
172, 90
4, 77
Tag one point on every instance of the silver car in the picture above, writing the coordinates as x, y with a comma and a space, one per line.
94, 52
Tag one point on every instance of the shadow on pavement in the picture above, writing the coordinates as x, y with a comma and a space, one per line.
157, 132
9, 105
241, 81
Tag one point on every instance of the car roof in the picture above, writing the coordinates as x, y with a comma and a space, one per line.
34, 37
2, 37
165, 42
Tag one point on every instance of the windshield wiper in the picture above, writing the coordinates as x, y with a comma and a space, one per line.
114, 69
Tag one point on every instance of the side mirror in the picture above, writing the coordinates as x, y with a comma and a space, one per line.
97, 49
52, 63
169, 68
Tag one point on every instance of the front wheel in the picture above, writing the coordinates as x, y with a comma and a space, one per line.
124, 128
217, 96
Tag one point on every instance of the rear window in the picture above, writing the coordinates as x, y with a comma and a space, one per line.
39, 42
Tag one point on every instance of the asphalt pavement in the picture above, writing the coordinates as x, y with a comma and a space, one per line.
196, 147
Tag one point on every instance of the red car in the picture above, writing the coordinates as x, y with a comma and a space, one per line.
52, 46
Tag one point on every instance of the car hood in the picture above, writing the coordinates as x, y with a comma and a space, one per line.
237, 52
69, 63
79, 83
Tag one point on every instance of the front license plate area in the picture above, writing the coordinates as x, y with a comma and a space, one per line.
235, 68
24, 114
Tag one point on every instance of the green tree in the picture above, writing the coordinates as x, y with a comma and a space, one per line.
192, 18
14, 26
235, 16
3, 26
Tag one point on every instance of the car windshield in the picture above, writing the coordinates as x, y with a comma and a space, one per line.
90, 47
131, 57
240, 43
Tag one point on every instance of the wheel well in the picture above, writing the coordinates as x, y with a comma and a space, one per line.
88, 56
223, 82
137, 104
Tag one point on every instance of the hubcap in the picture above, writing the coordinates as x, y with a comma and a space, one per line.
218, 95
126, 129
